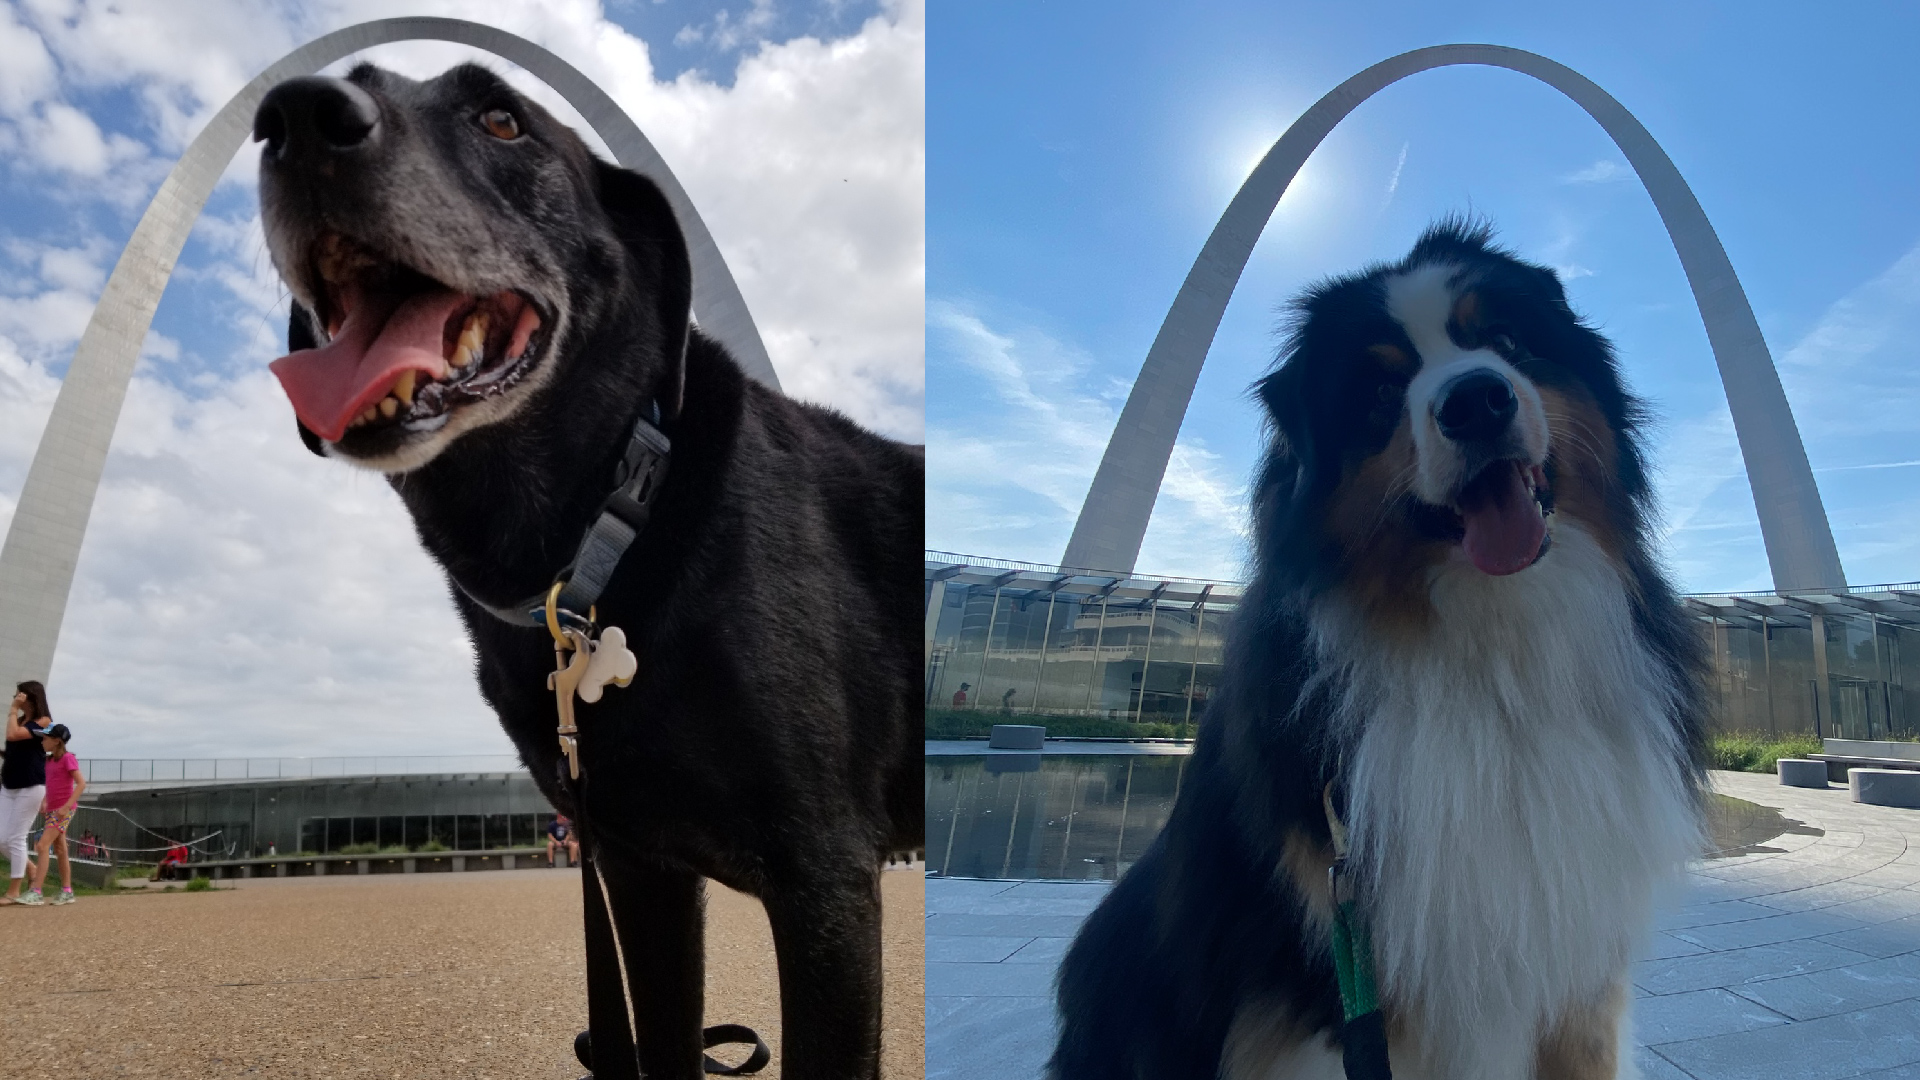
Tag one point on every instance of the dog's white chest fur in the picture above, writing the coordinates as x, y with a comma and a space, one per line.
1517, 798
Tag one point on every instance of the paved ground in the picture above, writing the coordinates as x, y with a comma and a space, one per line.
413, 976
1800, 963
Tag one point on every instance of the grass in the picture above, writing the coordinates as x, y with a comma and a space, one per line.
1755, 751
960, 723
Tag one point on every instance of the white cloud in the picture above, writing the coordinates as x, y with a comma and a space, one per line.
26, 68
726, 31
237, 595
1604, 171
1399, 165
1011, 479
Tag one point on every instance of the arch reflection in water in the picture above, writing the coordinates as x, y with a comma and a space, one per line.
1088, 817
1066, 816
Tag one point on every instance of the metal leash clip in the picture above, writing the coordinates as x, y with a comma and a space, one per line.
584, 663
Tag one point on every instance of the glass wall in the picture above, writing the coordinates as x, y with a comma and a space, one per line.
287, 817
1045, 642
1031, 641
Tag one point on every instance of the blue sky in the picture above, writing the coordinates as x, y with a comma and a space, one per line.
236, 595
1078, 157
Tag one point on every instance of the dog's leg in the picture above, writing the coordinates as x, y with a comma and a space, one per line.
826, 932
1586, 1042
660, 915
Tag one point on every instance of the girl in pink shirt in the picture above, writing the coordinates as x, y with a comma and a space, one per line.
64, 785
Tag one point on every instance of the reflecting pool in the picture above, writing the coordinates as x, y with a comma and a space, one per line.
1089, 816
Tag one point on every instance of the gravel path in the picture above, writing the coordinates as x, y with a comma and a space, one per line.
414, 976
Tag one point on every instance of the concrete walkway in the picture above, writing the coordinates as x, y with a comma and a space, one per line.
1802, 962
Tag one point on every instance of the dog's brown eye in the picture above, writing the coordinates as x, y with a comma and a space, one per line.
1503, 343
500, 124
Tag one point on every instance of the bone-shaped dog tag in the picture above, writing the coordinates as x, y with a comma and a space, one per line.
611, 662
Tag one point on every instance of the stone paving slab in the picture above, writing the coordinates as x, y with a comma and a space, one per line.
1802, 962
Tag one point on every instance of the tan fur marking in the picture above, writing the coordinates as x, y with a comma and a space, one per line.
1395, 358
1585, 1043
1584, 462
1305, 865
1387, 565
1466, 311
1266, 1038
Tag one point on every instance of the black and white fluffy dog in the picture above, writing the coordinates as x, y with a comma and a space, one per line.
1455, 621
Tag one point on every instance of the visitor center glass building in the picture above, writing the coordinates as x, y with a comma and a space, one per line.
1031, 641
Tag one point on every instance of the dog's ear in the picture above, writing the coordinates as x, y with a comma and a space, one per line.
300, 336
1287, 478
646, 226
1285, 397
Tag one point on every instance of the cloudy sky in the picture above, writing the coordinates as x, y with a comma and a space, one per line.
1077, 165
238, 596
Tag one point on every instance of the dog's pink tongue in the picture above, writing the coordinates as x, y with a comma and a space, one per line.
331, 385
1504, 525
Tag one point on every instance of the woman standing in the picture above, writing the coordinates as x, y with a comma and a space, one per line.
64, 786
23, 779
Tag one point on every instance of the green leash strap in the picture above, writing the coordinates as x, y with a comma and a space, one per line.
1353, 959
1363, 1035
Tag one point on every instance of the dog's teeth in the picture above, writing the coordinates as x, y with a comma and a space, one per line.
403, 389
372, 413
473, 340
389, 406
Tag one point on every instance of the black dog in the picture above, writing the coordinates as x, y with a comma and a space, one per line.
484, 311
1459, 652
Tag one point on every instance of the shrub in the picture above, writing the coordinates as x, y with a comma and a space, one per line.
1756, 751
199, 884
357, 849
433, 845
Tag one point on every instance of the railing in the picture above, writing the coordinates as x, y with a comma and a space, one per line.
161, 770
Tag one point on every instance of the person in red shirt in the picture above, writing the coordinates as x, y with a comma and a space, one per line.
64, 785
960, 696
175, 858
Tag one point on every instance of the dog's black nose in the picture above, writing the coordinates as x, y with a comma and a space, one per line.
1476, 406
316, 116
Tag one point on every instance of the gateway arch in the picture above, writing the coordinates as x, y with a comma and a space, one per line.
43, 544
1793, 521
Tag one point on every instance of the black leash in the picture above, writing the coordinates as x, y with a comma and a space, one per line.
607, 1007
611, 1025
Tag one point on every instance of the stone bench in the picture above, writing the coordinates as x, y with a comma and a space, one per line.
1839, 765
1802, 772
1016, 737
1885, 787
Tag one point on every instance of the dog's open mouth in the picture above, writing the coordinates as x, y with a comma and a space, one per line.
403, 349
1502, 517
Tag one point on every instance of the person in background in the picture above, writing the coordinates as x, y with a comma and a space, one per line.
23, 779
172, 863
560, 831
64, 785
960, 696
1006, 702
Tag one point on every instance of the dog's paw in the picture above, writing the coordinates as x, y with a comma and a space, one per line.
612, 662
